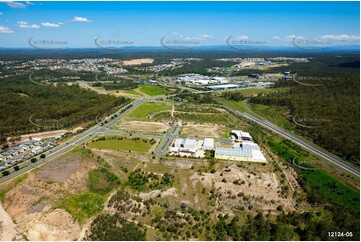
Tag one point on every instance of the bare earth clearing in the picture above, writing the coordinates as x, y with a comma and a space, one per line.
143, 126
156, 193
204, 130
8, 229
136, 62
42, 135
261, 190
31, 203
47, 134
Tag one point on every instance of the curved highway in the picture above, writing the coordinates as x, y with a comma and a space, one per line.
98, 128
295, 139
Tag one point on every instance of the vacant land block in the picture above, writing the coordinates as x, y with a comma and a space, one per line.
205, 130
249, 92
123, 143
135, 62
141, 112
143, 126
153, 90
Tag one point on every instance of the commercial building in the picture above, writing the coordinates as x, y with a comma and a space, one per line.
240, 136
208, 144
247, 151
244, 149
223, 87
287, 76
185, 143
200, 79
191, 147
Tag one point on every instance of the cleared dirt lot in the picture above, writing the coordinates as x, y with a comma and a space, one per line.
261, 190
55, 225
158, 193
45, 135
136, 62
143, 126
204, 130
33, 203
42, 135
8, 229
51, 172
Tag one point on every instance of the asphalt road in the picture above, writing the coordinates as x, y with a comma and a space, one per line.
69, 145
297, 140
167, 138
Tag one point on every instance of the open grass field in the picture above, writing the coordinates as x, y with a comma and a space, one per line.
141, 112
102, 181
122, 144
83, 206
236, 104
249, 92
131, 93
202, 118
152, 90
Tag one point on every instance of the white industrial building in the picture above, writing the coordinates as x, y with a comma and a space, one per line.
185, 143
244, 149
191, 147
240, 136
208, 144
192, 78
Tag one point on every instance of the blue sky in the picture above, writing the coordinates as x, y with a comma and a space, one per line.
77, 24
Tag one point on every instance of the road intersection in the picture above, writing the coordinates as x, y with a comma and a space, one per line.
167, 138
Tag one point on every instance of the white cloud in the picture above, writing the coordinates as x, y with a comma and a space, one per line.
25, 25
276, 38
241, 37
50, 25
290, 37
1, 13
177, 34
5, 30
13, 4
80, 19
203, 37
198, 37
17, 4
60, 23
341, 37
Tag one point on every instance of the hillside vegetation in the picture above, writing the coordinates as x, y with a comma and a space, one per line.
27, 108
330, 109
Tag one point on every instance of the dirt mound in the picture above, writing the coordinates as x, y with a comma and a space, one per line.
8, 229
236, 188
34, 203
54, 225
159, 193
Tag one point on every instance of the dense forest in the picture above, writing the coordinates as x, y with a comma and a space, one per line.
26, 107
327, 108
